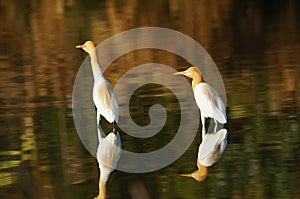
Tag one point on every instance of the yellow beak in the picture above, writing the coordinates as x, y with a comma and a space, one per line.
179, 73
79, 46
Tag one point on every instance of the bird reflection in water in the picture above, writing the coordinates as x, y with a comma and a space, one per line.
108, 155
209, 152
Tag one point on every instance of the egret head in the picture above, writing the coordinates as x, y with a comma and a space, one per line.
191, 72
88, 46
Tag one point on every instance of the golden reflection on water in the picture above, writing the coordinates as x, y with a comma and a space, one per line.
255, 45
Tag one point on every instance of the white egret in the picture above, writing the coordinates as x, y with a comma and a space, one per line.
105, 99
207, 98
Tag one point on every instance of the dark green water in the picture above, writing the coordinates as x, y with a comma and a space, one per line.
255, 44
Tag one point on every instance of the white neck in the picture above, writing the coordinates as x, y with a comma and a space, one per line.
95, 65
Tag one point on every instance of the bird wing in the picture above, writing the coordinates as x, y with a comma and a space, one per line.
212, 147
106, 101
209, 102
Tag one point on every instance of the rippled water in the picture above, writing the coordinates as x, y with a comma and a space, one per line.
255, 44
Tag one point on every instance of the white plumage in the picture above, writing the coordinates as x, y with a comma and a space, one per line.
106, 101
104, 97
210, 103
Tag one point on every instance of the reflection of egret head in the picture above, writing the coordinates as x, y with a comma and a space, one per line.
192, 72
88, 46
199, 174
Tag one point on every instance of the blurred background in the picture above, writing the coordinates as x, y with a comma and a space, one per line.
255, 44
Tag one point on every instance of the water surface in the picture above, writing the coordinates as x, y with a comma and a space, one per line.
255, 44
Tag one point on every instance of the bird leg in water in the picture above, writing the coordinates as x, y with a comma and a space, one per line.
113, 124
203, 126
216, 125
98, 118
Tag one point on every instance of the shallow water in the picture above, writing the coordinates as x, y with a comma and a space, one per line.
255, 44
